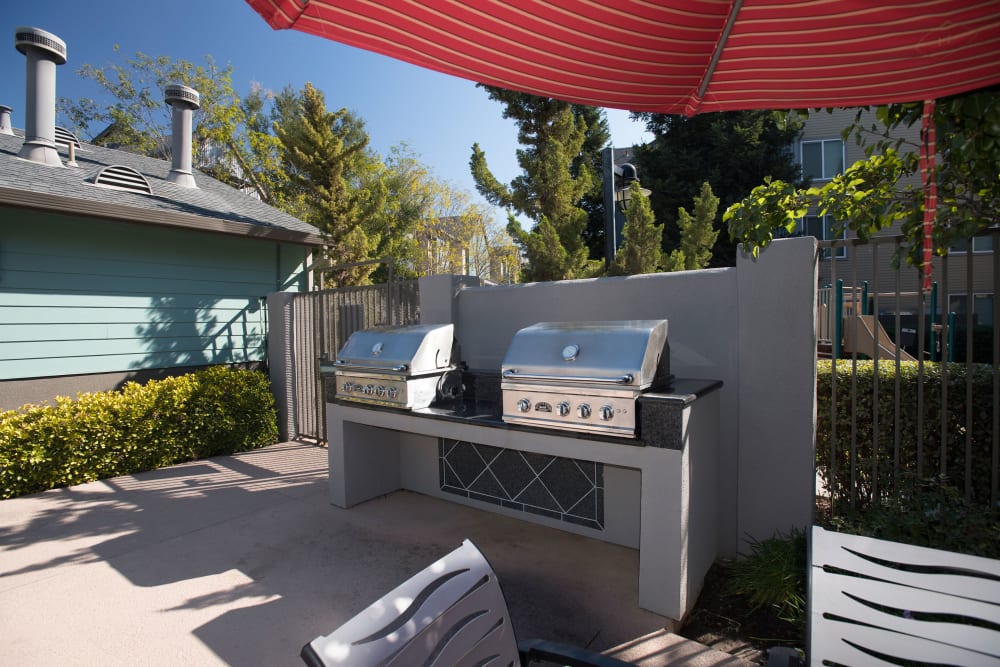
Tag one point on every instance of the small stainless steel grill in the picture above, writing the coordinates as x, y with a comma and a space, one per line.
583, 376
399, 367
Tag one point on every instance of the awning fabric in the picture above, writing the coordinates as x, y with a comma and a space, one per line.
678, 56
685, 56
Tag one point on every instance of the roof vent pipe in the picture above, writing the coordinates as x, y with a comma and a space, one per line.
44, 51
5, 127
184, 101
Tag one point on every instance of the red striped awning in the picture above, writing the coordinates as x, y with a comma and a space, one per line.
678, 56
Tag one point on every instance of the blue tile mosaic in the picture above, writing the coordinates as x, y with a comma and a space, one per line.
570, 490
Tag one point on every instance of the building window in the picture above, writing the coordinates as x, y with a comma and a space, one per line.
822, 160
822, 228
979, 244
982, 307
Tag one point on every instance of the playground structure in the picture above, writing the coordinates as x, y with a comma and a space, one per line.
863, 334
846, 323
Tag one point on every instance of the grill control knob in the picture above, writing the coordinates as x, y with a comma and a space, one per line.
524, 405
369, 389
607, 413
583, 411
380, 391
348, 387
563, 409
393, 392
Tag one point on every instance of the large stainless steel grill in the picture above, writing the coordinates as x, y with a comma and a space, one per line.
399, 367
583, 376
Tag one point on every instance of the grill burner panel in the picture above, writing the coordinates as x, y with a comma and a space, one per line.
399, 367
583, 376
388, 390
612, 413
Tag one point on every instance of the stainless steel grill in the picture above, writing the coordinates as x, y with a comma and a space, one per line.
398, 367
583, 376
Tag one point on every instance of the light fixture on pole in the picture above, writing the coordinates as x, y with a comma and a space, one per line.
623, 193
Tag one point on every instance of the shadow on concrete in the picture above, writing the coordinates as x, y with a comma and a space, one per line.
244, 556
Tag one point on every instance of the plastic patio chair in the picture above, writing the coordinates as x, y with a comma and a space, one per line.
876, 602
451, 613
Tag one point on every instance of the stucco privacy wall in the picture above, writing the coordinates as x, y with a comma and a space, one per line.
777, 380
101, 301
750, 326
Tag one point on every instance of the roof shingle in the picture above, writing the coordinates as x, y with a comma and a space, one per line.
220, 207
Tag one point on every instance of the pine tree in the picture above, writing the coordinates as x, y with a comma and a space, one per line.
698, 232
322, 150
642, 238
557, 175
733, 150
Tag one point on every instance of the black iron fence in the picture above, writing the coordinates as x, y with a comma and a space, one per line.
322, 322
909, 386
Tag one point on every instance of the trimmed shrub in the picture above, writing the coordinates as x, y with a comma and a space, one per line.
105, 434
928, 514
859, 410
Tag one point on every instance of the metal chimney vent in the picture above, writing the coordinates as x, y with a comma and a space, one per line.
26, 37
64, 137
184, 101
5, 127
43, 52
121, 177
178, 93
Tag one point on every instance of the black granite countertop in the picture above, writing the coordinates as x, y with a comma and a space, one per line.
463, 409
683, 391
659, 413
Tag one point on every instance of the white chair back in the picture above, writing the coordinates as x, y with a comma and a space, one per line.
874, 602
451, 613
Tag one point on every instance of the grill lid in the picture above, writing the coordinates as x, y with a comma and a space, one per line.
414, 350
628, 353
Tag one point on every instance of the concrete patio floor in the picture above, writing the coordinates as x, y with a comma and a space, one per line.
241, 559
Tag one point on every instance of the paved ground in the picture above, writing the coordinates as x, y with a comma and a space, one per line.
240, 560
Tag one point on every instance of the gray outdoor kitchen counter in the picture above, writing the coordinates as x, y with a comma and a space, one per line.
655, 493
658, 413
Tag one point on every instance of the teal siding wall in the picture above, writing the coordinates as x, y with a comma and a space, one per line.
90, 296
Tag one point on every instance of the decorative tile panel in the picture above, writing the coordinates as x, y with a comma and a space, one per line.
570, 490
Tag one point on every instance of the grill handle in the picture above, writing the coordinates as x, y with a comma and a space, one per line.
514, 375
346, 364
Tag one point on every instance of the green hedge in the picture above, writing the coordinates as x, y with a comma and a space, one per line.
928, 514
142, 427
862, 412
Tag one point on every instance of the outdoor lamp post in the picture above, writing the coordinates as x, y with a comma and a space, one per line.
623, 193
617, 181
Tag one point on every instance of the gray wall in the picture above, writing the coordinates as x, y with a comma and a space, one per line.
777, 389
750, 326
281, 360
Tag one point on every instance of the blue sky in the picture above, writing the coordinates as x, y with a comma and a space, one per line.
438, 116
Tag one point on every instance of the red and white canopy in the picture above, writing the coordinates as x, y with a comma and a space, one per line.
678, 56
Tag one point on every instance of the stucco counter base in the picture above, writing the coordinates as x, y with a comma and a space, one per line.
656, 499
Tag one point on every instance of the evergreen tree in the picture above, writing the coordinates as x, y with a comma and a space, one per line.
642, 238
733, 150
557, 174
323, 150
598, 136
698, 232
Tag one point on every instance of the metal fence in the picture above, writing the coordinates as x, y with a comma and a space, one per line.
322, 322
913, 388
